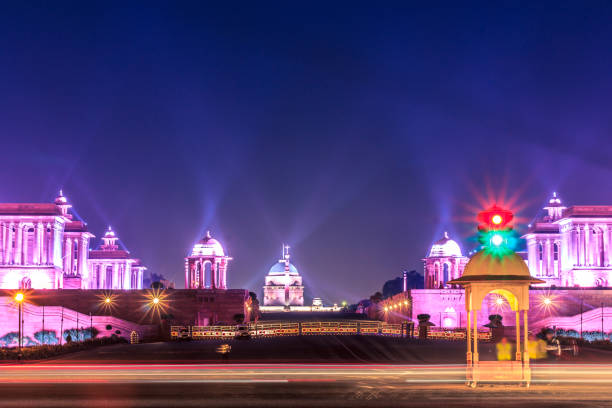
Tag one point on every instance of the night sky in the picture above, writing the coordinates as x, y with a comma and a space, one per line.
357, 135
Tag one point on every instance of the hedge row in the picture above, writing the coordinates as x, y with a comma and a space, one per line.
48, 351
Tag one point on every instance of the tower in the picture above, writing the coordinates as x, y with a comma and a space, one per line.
444, 263
283, 284
206, 267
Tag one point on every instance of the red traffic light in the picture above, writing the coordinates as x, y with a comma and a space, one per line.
495, 218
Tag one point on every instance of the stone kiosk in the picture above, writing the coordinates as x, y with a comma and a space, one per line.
507, 276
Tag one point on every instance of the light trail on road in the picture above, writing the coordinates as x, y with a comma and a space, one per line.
236, 373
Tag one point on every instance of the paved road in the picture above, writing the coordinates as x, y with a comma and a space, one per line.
168, 385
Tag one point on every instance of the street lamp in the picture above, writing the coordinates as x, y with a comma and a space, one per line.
155, 300
19, 299
107, 300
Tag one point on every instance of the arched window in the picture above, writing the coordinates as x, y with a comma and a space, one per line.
556, 251
75, 253
540, 251
445, 273
25, 283
207, 275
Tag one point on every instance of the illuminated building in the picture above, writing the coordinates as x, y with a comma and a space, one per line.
571, 246
113, 268
283, 284
206, 267
444, 263
42, 246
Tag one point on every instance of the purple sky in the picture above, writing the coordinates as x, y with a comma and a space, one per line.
357, 135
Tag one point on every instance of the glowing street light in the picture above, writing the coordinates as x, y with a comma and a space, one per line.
19, 297
547, 301
107, 300
155, 300
499, 301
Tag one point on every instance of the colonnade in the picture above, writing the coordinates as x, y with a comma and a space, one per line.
28, 243
589, 245
196, 274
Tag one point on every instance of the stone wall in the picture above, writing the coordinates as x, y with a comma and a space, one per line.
176, 306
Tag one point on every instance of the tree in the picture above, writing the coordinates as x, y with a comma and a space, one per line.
415, 280
253, 304
392, 287
157, 285
46, 337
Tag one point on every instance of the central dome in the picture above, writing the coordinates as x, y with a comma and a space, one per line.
445, 247
208, 246
279, 269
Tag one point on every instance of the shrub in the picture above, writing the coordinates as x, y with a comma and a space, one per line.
46, 337
52, 350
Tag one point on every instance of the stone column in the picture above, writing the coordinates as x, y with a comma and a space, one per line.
24, 241
561, 252
115, 276
580, 246
19, 244
83, 269
547, 257
587, 245
36, 244
67, 247
9, 244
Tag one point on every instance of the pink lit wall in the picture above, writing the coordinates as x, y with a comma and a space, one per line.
57, 320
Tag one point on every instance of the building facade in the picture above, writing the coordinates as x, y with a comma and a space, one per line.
42, 246
444, 263
571, 247
113, 268
283, 284
206, 266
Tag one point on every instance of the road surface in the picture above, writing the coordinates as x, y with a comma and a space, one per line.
293, 385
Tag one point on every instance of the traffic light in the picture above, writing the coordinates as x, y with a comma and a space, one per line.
495, 218
495, 232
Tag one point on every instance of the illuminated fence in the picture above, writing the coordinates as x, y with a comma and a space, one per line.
456, 334
343, 327
275, 329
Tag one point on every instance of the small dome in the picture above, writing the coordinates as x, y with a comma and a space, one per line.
60, 199
511, 267
109, 233
208, 246
445, 247
279, 269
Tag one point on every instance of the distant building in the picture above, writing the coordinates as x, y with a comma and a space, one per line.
42, 246
444, 263
114, 268
283, 284
206, 266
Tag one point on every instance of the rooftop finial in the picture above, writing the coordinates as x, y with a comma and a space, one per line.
446, 235
208, 236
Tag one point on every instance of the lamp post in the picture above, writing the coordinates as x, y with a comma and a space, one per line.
43, 324
19, 299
